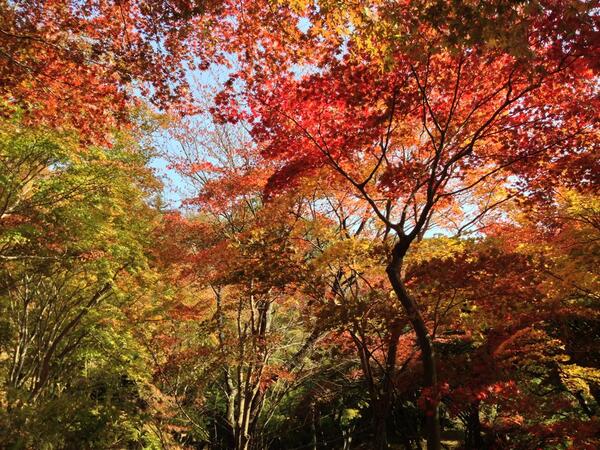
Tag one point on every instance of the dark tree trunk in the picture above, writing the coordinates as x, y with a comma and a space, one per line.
313, 426
380, 427
424, 341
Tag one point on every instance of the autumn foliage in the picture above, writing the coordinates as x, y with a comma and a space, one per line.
385, 232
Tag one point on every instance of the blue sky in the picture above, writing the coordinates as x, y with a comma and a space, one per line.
203, 85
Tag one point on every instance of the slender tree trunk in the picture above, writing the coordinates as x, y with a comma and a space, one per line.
380, 426
378, 409
424, 341
253, 355
230, 387
347, 435
313, 425
44, 369
383, 406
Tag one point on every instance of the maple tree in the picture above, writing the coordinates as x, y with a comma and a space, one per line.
245, 259
78, 65
425, 126
388, 229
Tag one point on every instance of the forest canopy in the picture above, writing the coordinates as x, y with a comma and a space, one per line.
385, 231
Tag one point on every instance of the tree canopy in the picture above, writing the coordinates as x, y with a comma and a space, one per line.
387, 235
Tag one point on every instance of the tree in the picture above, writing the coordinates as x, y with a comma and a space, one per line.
247, 259
74, 223
420, 125
390, 234
77, 65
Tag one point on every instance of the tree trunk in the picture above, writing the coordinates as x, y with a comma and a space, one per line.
380, 427
378, 407
382, 407
424, 341
313, 425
